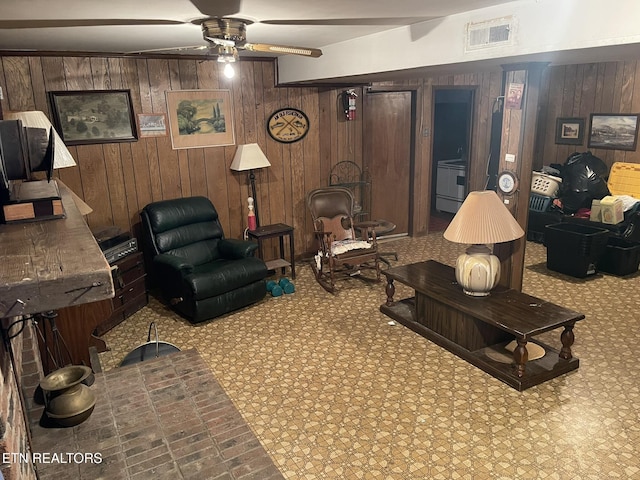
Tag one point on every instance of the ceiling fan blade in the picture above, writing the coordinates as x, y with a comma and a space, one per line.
351, 21
217, 8
169, 49
105, 22
263, 47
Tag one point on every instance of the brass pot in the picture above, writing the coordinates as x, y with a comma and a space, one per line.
67, 400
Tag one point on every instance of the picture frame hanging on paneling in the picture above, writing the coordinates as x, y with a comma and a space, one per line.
569, 131
200, 118
152, 124
614, 131
84, 117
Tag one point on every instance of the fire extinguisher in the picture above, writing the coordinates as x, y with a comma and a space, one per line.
349, 103
251, 218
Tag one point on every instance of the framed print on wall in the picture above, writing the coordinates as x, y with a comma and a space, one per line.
93, 116
200, 118
152, 124
569, 131
613, 131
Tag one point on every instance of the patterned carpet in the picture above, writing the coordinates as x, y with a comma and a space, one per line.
334, 392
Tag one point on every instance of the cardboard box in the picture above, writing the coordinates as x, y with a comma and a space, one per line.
611, 210
595, 215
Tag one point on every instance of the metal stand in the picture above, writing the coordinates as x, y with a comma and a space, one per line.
59, 348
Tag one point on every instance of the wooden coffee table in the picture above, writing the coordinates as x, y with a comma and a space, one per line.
475, 328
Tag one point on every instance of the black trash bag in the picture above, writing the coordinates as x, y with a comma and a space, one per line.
584, 178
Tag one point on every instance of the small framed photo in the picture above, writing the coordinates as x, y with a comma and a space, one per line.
514, 96
614, 131
93, 116
152, 124
569, 131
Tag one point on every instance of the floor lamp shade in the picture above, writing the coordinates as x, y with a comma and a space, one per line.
482, 219
247, 158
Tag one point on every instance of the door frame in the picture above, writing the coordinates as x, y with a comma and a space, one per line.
414, 91
471, 134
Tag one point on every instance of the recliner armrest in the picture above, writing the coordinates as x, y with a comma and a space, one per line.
233, 248
171, 262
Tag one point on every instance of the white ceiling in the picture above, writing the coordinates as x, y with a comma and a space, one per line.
362, 40
340, 20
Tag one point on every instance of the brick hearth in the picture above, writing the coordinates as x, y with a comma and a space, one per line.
163, 418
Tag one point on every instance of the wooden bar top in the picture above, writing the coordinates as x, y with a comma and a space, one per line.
512, 311
51, 264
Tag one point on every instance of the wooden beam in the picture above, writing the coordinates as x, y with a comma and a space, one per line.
517, 156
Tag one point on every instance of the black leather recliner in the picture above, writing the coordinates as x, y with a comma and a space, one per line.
202, 274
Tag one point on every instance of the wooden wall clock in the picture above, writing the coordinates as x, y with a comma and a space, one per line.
288, 125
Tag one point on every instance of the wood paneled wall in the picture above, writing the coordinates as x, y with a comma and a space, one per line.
487, 87
579, 91
118, 179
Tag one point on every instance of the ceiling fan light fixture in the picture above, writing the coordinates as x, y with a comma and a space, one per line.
227, 55
229, 71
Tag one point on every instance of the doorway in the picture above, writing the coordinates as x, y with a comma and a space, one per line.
389, 141
452, 120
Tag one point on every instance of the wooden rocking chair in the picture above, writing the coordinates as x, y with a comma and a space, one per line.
340, 252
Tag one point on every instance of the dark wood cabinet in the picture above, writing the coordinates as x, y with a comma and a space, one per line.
131, 294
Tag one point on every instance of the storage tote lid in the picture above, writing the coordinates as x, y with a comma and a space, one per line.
624, 179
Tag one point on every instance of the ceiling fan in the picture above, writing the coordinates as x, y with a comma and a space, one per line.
224, 34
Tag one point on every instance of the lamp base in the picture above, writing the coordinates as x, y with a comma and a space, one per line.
477, 271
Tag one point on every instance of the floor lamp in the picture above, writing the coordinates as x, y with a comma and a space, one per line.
250, 157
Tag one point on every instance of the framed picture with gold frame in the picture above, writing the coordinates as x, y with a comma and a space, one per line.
200, 118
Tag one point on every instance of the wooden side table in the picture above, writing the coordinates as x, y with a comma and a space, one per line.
278, 230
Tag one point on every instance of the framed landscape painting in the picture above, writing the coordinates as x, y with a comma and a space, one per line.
613, 131
200, 118
93, 116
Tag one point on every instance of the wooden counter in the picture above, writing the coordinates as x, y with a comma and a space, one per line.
51, 264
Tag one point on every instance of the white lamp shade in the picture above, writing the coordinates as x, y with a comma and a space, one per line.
483, 219
249, 157
37, 119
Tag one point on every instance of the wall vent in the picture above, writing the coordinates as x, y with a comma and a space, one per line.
490, 33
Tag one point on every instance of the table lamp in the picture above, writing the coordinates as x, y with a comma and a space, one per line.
482, 219
249, 157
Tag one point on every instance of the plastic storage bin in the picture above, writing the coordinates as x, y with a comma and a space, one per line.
574, 249
539, 203
620, 257
537, 223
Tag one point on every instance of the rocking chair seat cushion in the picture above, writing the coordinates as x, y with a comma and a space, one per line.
339, 247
